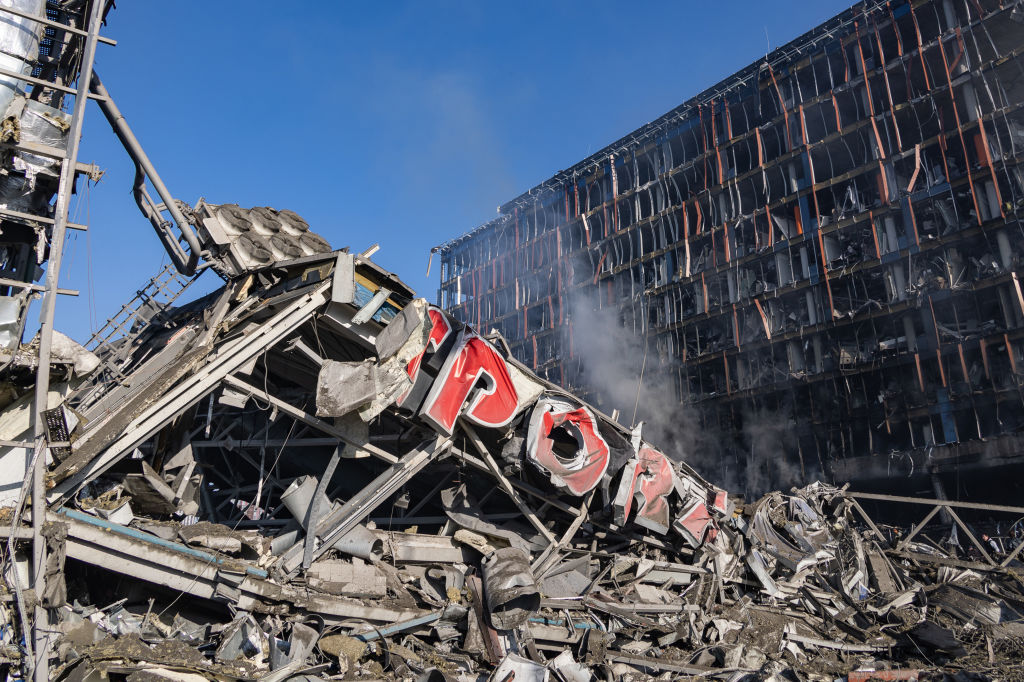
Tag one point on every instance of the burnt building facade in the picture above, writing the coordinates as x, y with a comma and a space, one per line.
828, 241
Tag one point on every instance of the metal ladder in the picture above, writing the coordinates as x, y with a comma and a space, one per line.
115, 344
78, 32
149, 302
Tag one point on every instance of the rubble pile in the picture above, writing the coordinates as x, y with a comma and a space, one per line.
310, 473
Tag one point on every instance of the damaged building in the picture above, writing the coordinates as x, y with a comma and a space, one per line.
312, 473
816, 259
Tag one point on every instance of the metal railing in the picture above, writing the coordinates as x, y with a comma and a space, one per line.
900, 546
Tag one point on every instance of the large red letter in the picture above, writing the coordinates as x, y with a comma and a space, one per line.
650, 479
473, 363
581, 472
696, 524
439, 331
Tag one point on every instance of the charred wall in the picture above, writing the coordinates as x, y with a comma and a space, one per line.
814, 263
828, 241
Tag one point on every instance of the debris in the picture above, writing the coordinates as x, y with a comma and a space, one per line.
310, 472
460, 544
510, 588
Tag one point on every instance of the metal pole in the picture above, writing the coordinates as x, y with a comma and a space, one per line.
41, 625
185, 262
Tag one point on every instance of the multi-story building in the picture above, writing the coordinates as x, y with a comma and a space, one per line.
816, 259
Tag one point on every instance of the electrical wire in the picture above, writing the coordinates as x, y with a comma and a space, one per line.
182, 592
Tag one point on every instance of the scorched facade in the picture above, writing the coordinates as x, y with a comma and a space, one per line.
829, 239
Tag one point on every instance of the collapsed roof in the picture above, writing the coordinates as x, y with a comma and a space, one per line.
311, 472
310, 465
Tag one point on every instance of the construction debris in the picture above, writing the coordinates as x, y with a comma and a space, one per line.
310, 473
261, 496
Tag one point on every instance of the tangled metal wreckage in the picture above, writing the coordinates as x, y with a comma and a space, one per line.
310, 473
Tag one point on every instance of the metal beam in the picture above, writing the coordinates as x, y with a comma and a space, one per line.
40, 667
550, 554
233, 444
36, 218
18, 532
55, 24
362, 504
15, 284
371, 307
47, 84
225, 360
480, 465
307, 418
871, 524
319, 495
507, 486
917, 528
941, 503
970, 536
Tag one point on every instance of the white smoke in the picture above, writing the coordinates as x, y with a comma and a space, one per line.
756, 456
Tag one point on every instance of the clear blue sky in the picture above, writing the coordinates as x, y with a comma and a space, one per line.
399, 123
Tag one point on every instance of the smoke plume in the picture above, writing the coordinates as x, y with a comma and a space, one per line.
753, 457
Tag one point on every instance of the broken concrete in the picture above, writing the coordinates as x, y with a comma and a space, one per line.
312, 473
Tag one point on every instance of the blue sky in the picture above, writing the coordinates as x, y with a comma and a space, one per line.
399, 123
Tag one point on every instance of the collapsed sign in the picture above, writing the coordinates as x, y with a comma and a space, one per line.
458, 373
